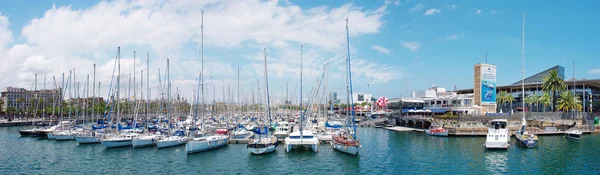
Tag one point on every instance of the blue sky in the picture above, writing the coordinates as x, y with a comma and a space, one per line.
428, 42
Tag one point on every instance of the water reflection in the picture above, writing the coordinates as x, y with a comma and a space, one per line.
496, 161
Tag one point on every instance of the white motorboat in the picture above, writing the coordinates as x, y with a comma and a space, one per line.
282, 130
240, 133
262, 145
498, 135
326, 135
301, 139
574, 134
119, 141
206, 143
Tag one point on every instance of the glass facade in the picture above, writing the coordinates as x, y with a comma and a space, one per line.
539, 77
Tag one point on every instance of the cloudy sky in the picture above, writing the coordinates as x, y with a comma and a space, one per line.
396, 46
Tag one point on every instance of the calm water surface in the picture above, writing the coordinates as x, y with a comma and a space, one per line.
384, 152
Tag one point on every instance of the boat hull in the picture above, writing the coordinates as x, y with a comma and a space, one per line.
170, 142
51, 136
27, 133
352, 150
87, 139
205, 145
116, 143
144, 142
526, 142
263, 150
313, 144
439, 134
573, 136
324, 137
63, 137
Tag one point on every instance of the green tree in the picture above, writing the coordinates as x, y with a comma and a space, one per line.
1, 103
531, 100
545, 100
568, 101
554, 84
21, 101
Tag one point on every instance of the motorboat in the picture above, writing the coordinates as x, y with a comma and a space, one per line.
282, 130
437, 131
573, 134
498, 135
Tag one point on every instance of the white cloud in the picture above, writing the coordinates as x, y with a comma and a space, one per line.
413, 46
478, 11
432, 11
452, 6
416, 8
594, 71
455, 36
64, 38
380, 49
493, 12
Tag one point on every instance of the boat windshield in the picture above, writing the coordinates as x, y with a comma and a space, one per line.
498, 125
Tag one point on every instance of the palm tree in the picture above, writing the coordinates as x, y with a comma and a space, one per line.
530, 100
545, 100
552, 83
509, 99
501, 97
568, 101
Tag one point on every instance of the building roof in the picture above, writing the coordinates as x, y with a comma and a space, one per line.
592, 84
539, 77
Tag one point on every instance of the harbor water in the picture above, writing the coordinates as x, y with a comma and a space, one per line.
383, 152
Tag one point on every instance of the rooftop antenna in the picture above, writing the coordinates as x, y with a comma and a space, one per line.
485, 57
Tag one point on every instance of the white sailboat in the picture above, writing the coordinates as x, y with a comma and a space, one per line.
203, 142
302, 137
264, 144
118, 139
525, 138
178, 137
346, 140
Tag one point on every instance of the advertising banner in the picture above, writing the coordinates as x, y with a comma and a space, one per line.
488, 85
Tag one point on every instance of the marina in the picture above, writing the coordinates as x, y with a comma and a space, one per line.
381, 148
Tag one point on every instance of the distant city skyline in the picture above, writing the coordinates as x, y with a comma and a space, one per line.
426, 42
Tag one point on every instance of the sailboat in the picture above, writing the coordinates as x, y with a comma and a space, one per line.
346, 140
203, 142
264, 143
302, 137
525, 138
31, 132
119, 139
68, 133
175, 138
240, 132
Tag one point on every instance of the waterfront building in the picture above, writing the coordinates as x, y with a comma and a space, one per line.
20, 98
587, 90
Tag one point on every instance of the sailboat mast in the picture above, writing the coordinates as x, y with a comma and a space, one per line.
301, 110
44, 103
350, 78
147, 86
238, 91
523, 68
118, 88
168, 97
267, 89
202, 63
94, 91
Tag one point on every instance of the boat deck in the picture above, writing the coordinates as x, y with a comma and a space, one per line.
404, 129
241, 141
